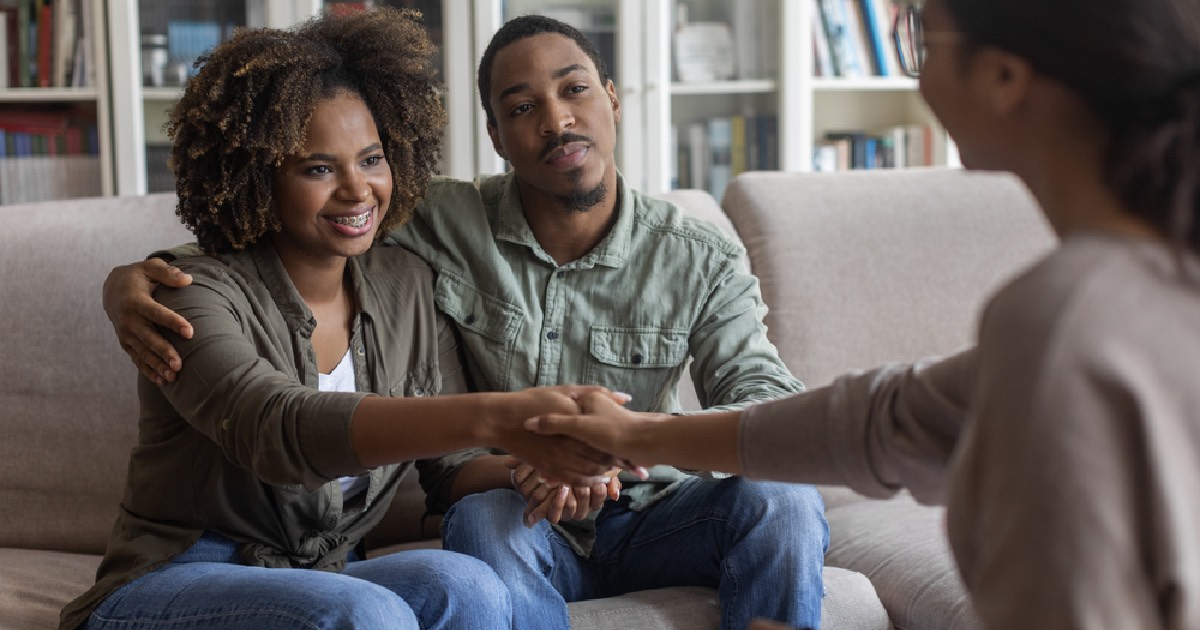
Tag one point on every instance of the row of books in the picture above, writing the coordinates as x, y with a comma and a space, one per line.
29, 133
896, 147
707, 154
853, 38
47, 43
45, 178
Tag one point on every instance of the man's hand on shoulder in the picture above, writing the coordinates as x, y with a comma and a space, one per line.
130, 306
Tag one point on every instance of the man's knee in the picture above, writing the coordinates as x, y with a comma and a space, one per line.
460, 582
478, 521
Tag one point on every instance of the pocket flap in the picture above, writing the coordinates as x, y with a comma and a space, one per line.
475, 310
639, 347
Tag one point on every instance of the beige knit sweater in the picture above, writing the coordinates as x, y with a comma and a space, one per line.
1066, 445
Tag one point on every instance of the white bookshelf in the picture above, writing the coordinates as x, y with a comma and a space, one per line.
131, 117
75, 168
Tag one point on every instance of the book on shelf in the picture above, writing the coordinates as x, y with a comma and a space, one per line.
900, 146
842, 34
720, 164
709, 153
823, 65
698, 154
46, 178
45, 41
854, 39
4, 53
877, 27
45, 44
64, 29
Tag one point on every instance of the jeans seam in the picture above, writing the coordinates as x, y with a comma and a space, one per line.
278, 614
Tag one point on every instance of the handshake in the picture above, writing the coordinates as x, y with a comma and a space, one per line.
568, 464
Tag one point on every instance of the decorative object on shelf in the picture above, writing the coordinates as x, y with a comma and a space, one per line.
704, 52
154, 59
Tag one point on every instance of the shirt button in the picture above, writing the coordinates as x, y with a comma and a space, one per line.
361, 351
470, 319
637, 359
225, 424
560, 274
552, 335
418, 392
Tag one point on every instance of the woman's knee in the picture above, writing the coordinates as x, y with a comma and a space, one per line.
358, 604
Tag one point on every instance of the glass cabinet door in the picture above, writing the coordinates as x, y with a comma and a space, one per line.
172, 35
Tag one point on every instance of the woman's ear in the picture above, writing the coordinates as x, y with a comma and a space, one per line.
1006, 78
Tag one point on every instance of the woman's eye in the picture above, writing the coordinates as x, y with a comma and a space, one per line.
319, 169
374, 160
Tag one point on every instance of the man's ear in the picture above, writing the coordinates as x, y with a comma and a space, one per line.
616, 102
496, 145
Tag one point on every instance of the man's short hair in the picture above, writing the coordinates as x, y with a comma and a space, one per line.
519, 28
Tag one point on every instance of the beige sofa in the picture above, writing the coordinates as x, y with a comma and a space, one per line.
857, 269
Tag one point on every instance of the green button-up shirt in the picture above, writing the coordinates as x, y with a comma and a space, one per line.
661, 287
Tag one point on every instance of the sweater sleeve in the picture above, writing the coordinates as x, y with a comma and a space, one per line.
878, 431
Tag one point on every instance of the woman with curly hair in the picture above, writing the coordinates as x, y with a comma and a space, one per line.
311, 371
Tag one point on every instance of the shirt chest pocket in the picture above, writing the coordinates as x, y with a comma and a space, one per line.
643, 362
488, 326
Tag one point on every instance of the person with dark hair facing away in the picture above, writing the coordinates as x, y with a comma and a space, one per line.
1066, 444
259, 470
557, 272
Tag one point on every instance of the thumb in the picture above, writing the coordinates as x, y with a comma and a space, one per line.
597, 403
549, 425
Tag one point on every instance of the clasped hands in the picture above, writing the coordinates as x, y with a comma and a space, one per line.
600, 423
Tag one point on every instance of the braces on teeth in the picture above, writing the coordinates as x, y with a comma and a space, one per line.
357, 221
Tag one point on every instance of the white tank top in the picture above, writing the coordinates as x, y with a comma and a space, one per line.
341, 379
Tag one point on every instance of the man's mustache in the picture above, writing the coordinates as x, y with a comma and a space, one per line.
558, 141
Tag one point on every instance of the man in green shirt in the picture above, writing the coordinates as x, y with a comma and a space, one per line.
559, 273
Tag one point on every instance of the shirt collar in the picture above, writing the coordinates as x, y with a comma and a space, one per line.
283, 292
512, 226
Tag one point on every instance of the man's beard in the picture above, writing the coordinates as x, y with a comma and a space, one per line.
580, 199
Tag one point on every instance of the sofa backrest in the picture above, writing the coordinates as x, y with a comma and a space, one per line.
868, 267
67, 390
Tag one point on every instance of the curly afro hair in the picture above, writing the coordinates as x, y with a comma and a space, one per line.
249, 106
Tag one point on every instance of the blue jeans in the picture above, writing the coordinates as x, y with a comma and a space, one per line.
205, 588
760, 544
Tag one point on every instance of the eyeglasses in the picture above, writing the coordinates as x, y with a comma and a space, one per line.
908, 37
912, 40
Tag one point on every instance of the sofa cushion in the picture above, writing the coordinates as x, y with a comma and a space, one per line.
868, 267
901, 547
66, 387
35, 585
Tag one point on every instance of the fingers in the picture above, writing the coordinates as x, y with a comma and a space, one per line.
160, 315
550, 507
158, 270
598, 493
613, 488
